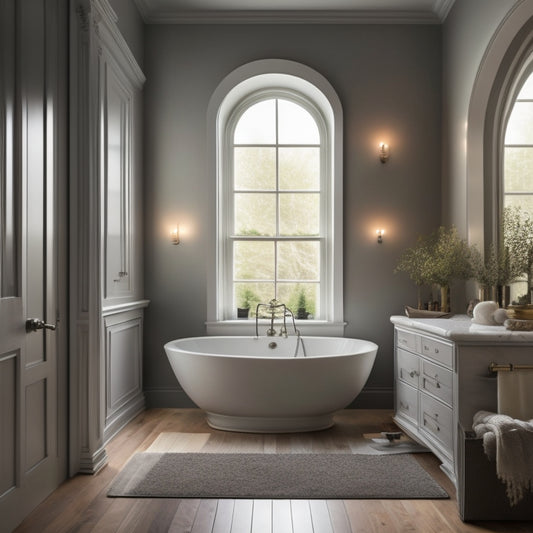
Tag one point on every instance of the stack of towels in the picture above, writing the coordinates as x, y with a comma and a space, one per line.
509, 442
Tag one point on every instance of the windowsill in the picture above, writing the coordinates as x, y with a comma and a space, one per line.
316, 328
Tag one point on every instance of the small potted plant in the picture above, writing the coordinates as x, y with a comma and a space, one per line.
302, 304
247, 300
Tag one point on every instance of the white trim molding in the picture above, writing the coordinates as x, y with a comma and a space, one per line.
482, 160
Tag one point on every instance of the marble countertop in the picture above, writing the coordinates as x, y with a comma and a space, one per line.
461, 328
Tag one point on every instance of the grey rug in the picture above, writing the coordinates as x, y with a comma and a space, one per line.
307, 476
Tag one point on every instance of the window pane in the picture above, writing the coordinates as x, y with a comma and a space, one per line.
299, 214
296, 125
253, 260
527, 90
257, 124
255, 168
294, 295
251, 294
520, 125
518, 169
524, 201
299, 260
299, 168
255, 214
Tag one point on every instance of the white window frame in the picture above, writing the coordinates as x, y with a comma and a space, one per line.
295, 81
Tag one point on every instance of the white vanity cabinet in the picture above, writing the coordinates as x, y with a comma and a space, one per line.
442, 378
424, 391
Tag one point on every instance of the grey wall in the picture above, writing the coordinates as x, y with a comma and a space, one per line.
389, 81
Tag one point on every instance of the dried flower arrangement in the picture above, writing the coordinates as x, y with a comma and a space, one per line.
437, 259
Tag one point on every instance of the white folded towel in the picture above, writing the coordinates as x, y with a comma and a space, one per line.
510, 442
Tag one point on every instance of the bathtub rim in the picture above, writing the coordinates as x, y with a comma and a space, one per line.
170, 345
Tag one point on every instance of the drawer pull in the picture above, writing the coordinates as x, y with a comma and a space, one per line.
414, 373
428, 349
432, 422
404, 406
432, 381
403, 341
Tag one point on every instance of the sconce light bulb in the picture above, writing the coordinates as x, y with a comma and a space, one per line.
175, 235
383, 152
380, 233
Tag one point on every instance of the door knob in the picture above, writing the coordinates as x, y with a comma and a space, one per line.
34, 324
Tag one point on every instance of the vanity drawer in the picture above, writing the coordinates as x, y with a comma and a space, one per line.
437, 420
436, 380
408, 341
406, 401
438, 351
408, 367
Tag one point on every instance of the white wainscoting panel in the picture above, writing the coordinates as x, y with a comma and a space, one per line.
123, 360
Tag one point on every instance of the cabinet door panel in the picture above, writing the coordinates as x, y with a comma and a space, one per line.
437, 381
407, 402
116, 143
438, 351
437, 420
408, 367
407, 340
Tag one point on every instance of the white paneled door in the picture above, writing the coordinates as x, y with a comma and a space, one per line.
31, 462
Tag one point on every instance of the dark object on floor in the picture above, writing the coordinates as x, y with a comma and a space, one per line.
392, 435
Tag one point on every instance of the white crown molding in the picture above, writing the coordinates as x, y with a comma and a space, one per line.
107, 23
292, 17
442, 8
152, 15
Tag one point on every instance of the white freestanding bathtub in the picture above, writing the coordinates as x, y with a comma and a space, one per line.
258, 385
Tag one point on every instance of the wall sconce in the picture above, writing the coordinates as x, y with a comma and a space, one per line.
380, 233
383, 152
175, 235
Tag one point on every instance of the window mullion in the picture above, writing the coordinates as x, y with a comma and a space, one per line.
277, 204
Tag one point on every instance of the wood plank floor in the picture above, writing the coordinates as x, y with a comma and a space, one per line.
80, 504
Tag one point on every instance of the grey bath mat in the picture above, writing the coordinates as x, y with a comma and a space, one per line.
308, 476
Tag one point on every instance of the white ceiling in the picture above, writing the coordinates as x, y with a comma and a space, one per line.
295, 11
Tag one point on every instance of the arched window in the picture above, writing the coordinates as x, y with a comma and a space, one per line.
278, 165
517, 175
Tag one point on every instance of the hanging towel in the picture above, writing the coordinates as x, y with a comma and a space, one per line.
510, 443
515, 394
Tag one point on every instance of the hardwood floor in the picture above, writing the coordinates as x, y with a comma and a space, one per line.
80, 504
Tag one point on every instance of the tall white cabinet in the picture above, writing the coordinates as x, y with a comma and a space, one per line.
107, 301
